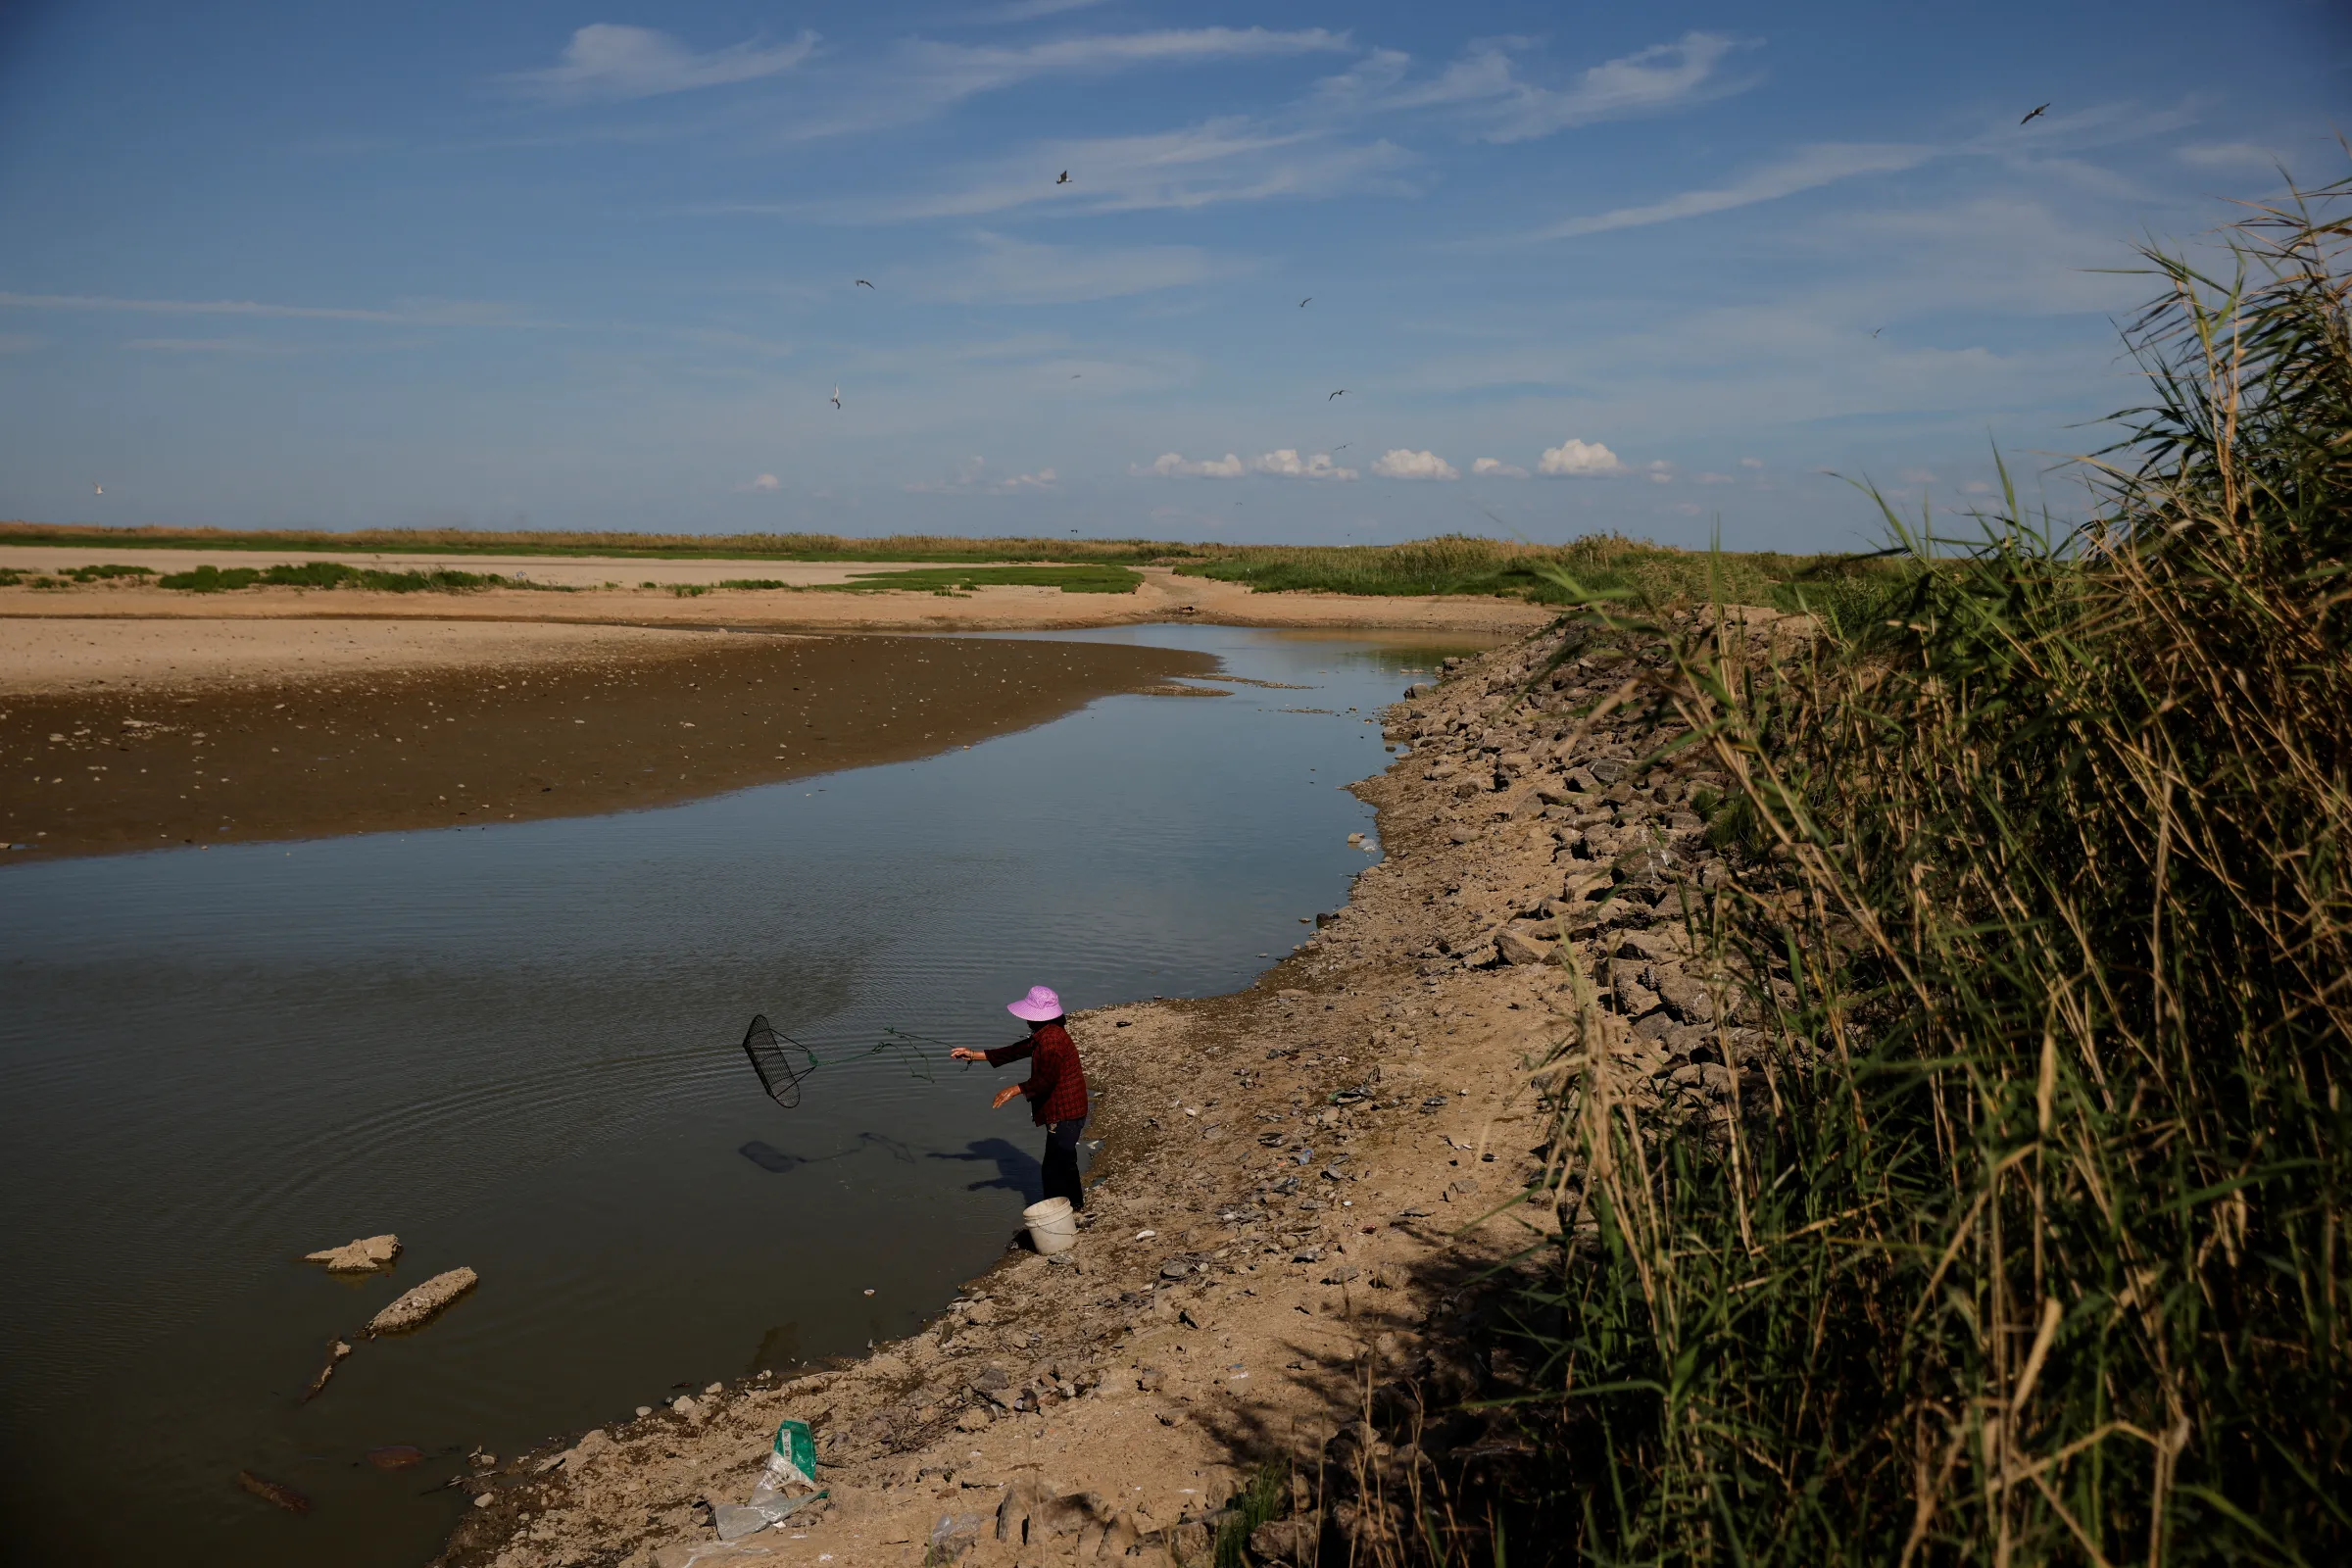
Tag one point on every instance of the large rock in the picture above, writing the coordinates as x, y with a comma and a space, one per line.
419, 1306
370, 1255
1518, 947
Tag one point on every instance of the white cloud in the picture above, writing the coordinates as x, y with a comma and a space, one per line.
207, 345
1486, 83
1976, 487
1011, 272
1174, 465
1286, 463
1400, 462
765, 481
1917, 476
1496, 469
1659, 472
606, 63
1713, 479
1041, 479
1811, 168
2227, 154
1751, 463
1574, 458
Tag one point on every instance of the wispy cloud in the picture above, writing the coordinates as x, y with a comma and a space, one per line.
927, 75
1034, 10
207, 345
608, 63
1807, 169
764, 481
1229, 159
1489, 88
1496, 469
406, 312
2227, 154
1010, 272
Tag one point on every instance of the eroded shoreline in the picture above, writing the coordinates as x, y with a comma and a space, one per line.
1303, 1183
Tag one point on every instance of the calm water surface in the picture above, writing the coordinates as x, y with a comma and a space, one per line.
518, 1048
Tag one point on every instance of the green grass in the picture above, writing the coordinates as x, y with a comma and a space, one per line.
103, 574
1644, 575
1085, 579
334, 575
2026, 1240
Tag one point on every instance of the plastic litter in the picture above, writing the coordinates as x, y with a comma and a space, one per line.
785, 1487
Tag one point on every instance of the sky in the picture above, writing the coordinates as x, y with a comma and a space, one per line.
1319, 274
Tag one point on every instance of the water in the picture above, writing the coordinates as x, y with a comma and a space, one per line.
518, 1048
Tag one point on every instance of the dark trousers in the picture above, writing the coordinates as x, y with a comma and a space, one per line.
1062, 1161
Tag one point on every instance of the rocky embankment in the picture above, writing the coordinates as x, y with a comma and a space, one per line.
1308, 1190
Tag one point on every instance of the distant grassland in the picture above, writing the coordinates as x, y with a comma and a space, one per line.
556, 542
1646, 574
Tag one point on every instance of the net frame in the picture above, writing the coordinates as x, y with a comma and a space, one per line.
779, 1075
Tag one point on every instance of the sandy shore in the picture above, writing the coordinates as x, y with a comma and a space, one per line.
1164, 596
214, 733
1308, 1187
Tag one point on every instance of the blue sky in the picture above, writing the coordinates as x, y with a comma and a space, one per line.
1578, 267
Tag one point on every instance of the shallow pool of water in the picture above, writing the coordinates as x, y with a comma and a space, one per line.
519, 1050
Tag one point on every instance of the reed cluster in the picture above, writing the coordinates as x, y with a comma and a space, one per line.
2021, 1239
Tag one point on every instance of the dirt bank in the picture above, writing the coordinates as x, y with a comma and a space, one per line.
1164, 596
1301, 1187
221, 737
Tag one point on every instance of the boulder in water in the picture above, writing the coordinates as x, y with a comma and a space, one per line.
423, 1305
370, 1255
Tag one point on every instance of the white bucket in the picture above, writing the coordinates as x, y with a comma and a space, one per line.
1053, 1225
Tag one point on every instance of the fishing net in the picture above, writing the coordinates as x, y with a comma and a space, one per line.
772, 1059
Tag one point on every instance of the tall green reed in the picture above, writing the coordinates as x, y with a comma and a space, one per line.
2021, 1238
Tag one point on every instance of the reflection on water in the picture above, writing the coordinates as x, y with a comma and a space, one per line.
519, 1050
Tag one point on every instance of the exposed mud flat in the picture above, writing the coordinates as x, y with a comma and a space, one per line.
383, 735
1301, 1185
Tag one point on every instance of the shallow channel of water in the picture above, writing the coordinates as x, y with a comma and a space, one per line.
518, 1048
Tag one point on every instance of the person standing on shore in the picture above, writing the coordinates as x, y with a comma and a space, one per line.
1055, 1086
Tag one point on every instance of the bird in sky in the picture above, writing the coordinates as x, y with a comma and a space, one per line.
1341, 393
1303, 303
101, 489
837, 395
863, 283
1064, 179
2033, 113
1343, 446
1876, 330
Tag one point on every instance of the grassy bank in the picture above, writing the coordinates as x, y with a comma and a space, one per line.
334, 575
1461, 564
649, 545
2023, 1240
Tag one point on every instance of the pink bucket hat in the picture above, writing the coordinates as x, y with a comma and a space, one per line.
1037, 1006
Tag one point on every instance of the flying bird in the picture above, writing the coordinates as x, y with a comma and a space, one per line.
2034, 114
1341, 393
863, 283
1876, 330
1303, 303
1343, 446
1064, 179
837, 396
101, 489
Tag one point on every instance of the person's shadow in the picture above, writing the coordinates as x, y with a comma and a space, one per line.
1017, 1170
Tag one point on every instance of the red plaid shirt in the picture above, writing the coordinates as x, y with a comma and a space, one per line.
1056, 1086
